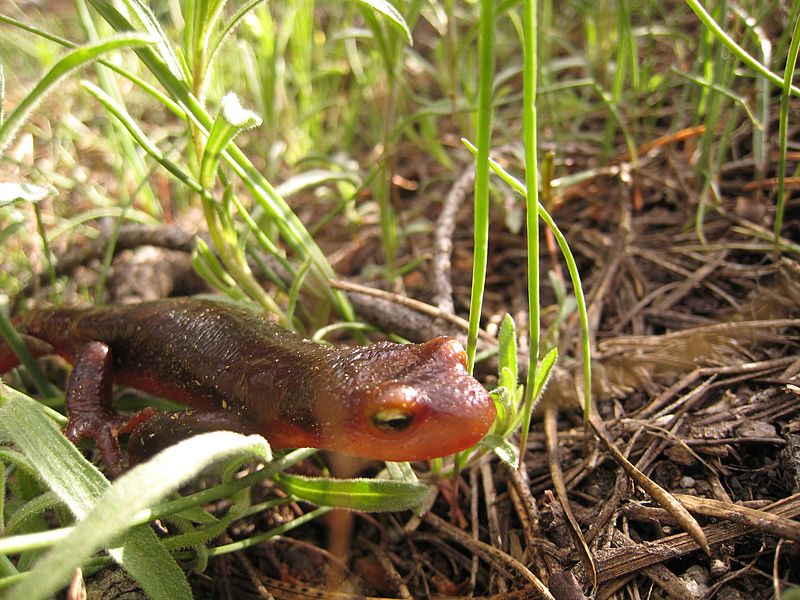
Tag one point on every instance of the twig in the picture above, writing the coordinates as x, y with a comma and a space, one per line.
443, 241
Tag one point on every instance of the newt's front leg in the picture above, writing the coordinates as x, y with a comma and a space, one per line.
90, 406
92, 415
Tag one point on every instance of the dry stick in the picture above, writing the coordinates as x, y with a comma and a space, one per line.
254, 576
659, 259
130, 237
497, 557
489, 499
622, 561
610, 507
686, 286
665, 397
416, 305
565, 587
727, 328
443, 241
557, 475
751, 517
607, 276
776, 586
528, 515
475, 523
641, 305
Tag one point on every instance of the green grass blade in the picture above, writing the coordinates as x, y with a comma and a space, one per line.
2, 94
395, 18
128, 160
31, 510
484, 139
144, 16
232, 24
291, 228
530, 136
572, 268
783, 124
73, 60
735, 48
139, 488
148, 89
141, 137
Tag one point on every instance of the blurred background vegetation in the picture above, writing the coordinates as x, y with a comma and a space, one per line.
361, 128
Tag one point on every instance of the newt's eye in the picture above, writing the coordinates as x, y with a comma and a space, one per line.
392, 419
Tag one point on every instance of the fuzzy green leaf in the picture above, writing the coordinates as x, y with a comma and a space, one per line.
368, 495
395, 18
505, 450
79, 485
543, 374
507, 340
11, 193
232, 119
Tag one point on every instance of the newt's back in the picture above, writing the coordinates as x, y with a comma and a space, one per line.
192, 351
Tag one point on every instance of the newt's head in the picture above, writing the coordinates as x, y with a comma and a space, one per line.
407, 402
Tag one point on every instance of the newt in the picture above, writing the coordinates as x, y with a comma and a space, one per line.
237, 370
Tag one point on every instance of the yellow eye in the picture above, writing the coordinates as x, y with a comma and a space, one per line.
392, 419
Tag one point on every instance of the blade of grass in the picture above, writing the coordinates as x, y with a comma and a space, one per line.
572, 268
71, 61
129, 163
20, 543
148, 89
291, 228
484, 138
783, 124
368, 495
140, 487
736, 49
530, 137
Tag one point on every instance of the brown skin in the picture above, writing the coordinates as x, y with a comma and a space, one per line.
240, 371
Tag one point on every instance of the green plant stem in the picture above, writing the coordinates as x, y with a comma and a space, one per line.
31, 541
484, 138
735, 48
575, 277
530, 74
